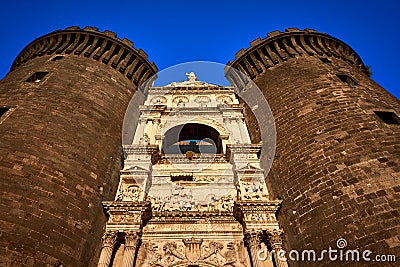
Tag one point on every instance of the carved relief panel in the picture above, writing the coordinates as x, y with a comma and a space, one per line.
192, 251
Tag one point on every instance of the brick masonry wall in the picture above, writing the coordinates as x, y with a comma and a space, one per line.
337, 165
60, 155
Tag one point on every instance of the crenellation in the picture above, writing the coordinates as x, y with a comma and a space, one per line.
280, 46
142, 53
292, 30
89, 42
70, 28
274, 33
240, 53
128, 42
91, 28
255, 41
111, 34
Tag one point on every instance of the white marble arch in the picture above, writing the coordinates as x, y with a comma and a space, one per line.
219, 127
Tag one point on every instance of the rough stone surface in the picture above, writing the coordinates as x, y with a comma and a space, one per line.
60, 156
337, 164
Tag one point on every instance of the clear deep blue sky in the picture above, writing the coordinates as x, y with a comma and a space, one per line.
173, 32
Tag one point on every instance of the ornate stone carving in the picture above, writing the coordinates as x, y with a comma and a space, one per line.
149, 255
158, 100
197, 158
202, 99
170, 248
192, 249
275, 238
180, 100
191, 82
132, 193
122, 213
126, 217
181, 201
132, 239
225, 99
191, 77
253, 238
109, 239
260, 217
235, 255
211, 249
129, 193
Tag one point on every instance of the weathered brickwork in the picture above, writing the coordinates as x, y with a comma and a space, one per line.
60, 148
337, 164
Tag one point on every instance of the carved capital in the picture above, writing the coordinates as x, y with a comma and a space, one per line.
275, 238
109, 239
253, 238
132, 239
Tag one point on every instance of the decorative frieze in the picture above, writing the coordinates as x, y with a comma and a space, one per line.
193, 251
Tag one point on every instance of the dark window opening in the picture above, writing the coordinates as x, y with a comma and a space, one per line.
346, 79
3, 111
36, 77
192, 137
186, 177
56, 58
388, 117
325, 60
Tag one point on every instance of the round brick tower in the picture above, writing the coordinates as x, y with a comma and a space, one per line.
338, 142
62, 108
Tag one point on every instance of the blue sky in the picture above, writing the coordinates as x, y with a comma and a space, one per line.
173, 32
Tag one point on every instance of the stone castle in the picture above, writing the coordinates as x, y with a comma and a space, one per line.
196, 183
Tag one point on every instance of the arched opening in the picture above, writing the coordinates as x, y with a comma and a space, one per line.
194, 137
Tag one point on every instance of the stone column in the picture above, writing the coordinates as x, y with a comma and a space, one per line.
253, 241
131, 243
275, 241
109, 240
